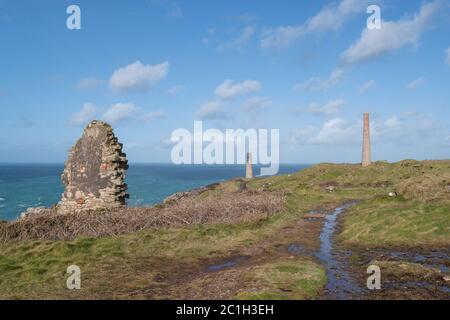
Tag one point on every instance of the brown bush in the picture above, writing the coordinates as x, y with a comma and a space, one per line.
230, 208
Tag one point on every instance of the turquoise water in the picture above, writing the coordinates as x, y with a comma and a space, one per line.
31, 185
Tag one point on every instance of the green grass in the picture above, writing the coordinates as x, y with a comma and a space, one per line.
397, 222
31, 269
419, 216
407, 271
285, 280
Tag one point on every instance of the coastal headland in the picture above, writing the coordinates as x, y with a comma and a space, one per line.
273, 238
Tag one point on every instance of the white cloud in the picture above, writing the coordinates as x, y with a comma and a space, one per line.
328, 109
393, 35
281, 36
329, 18
119, 112
385, 129
87, 113
332, 17
335, 131
447, 56
240, 41
392, 123
415, 84
138, 77
368, 86
402, 130
318, 84
406, 129
229, 89
300, 135
155, 115
256, 103
211, 110
89, 83
176, 90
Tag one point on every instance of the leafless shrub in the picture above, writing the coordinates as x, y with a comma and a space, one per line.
229, 208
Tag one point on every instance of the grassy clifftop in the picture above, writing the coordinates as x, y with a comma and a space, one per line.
418, 215
172, 260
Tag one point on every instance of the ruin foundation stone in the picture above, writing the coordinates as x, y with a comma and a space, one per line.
94, 173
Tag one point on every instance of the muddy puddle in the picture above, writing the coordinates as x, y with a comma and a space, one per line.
296, 249
345, 282
227, 264
346, 268
436, 260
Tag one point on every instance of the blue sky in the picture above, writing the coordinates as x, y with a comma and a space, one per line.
308, 68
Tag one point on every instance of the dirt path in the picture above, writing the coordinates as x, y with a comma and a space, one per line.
224, 278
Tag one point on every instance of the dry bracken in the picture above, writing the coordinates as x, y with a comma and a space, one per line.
232, 208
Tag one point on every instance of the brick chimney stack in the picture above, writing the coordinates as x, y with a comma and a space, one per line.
366, 153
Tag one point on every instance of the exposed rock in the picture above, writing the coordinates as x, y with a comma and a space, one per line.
187, 194
94, 174
330, 188
33, 211
392, 194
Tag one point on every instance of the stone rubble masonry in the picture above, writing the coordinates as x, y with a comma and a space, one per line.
94, 174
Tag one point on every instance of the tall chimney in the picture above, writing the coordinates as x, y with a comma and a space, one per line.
366, 154
249, 167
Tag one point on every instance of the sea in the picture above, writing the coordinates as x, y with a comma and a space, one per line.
33, 185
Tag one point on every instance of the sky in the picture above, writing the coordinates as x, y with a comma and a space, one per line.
149, 67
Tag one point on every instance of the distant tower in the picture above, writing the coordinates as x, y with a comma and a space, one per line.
366, 154
249, 167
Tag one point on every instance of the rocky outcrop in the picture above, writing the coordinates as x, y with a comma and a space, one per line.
94, 174
188, 194
33, 211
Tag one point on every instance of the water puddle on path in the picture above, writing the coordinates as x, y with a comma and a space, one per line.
340, 284
434, 259
226, 264
295, 249
344, 286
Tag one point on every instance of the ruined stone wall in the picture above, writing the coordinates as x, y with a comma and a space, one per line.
94, 174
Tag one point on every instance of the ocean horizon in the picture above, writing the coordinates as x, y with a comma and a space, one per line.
24, 185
